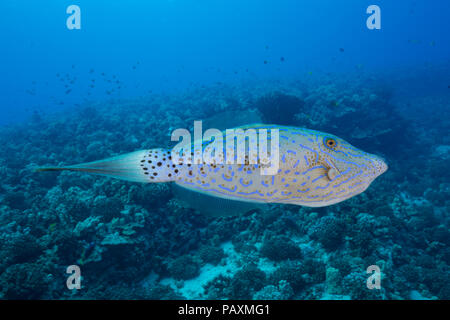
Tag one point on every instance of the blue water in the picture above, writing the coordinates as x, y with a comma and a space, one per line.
138, 69
179, 44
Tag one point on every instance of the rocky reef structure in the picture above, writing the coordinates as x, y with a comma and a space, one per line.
136, 241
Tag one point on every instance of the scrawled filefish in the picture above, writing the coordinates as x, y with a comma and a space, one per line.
315, 169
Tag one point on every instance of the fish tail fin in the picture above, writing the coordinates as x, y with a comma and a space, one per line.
152, 165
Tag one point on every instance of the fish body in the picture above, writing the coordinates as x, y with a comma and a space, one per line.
315, 169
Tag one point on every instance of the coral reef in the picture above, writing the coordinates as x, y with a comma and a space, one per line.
279, 108
280, 248
136, 241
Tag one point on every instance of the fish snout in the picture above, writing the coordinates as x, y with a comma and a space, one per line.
380, 166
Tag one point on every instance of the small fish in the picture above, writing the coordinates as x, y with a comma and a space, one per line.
316, 169
282, 59
341, 49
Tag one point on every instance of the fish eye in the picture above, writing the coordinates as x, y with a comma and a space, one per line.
330, 143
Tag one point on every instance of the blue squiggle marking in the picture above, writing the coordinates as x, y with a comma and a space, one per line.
250, 193
313, 168
329, 163
227, 179
234, 195
241, 181
230, 190
348, 180
324, 187
356, 184
319, 177
342, 174
202, 174
312, 150
300, 133
306, 160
